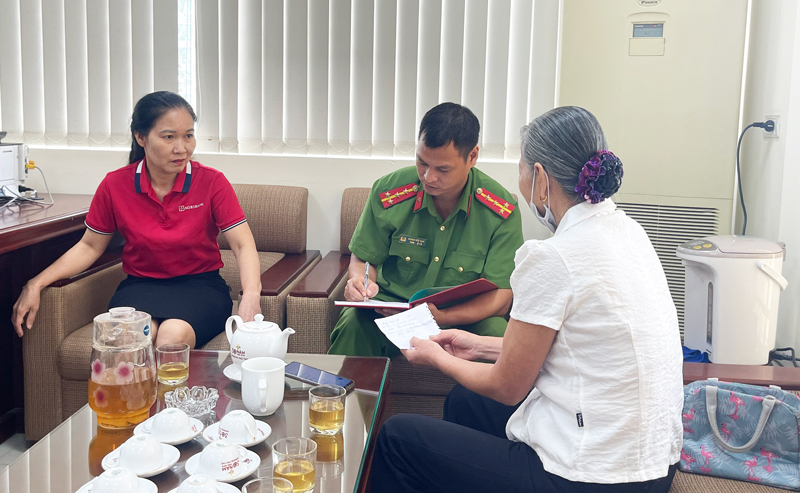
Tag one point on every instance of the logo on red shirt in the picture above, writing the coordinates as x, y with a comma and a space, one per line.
182, 208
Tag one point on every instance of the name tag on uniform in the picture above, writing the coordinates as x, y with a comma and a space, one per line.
410, 240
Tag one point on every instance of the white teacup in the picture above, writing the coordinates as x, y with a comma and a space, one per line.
170, 424
262, 385
116, 480
221, 459
239, 427
199, 483
141, 453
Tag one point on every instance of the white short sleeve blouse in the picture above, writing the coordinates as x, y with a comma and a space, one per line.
606, 407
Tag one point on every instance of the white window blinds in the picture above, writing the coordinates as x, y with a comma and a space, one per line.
355, 77
349, 77
71, 70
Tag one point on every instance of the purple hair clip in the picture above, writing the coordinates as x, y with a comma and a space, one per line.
592, 170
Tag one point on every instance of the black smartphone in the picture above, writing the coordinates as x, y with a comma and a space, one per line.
315, 376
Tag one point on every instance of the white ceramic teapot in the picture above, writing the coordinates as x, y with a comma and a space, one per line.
258, 338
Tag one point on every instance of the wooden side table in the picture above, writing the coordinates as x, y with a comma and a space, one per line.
787, 378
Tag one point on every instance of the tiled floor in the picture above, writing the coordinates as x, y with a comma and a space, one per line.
12, 448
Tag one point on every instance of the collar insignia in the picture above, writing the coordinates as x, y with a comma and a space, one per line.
399, 194
497, 205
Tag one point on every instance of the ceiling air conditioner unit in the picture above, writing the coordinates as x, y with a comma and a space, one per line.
664, 78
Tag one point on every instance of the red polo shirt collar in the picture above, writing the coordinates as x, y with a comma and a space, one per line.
182, 183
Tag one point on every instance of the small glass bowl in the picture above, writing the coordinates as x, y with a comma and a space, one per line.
195, 402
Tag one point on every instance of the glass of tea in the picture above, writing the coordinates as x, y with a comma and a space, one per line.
295, 459
173, 363
326, 409
267, 485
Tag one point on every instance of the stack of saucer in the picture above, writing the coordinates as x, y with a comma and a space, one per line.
224, 461
118, 480
171, 426
240, 428
143, 455
233, 372
203, 483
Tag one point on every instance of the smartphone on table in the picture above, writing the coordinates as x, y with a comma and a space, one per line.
314, 376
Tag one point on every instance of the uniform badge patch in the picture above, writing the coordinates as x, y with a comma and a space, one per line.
410, 240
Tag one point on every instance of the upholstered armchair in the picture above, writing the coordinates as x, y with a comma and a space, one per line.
277, 216
57, 350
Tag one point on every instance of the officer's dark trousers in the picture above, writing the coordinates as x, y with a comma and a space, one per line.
468, 452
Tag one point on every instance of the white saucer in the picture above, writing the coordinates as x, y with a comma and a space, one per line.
196, 427
169, 458
145, 486
233, 372
251, 461
263, 431
221, 488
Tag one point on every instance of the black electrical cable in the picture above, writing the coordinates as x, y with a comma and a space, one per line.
739, 179
769, 126
773, 355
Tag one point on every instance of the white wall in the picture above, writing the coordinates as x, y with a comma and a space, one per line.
81, 170
771, 167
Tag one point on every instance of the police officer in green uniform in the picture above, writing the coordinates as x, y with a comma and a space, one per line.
441, 223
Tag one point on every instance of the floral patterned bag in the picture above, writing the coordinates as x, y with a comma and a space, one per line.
743, 432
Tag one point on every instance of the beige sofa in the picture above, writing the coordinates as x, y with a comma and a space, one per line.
57, 350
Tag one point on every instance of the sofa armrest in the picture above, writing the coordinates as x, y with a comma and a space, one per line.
310, 308
278, 277
62, 310
323, 279
108, 259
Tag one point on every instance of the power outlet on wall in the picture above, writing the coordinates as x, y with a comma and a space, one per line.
775, 133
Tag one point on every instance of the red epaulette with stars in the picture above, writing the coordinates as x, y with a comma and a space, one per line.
399, 194
497, 205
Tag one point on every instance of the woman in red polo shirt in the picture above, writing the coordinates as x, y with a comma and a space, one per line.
169, 210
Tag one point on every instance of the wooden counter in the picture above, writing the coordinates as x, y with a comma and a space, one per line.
28, 224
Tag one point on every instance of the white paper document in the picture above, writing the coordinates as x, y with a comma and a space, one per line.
416, 322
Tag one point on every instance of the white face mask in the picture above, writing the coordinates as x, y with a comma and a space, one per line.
548, 220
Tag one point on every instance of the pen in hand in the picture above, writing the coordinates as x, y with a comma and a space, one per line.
366, 281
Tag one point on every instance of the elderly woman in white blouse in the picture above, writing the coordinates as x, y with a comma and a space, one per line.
584, 391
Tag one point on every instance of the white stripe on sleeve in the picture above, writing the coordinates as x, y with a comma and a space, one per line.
97, 230
234, 225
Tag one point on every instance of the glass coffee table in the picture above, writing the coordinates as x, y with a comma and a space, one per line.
70, 455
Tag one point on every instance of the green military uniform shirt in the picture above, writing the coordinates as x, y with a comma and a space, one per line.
412, 248
416, 249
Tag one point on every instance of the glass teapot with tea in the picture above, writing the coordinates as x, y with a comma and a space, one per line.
122, 386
